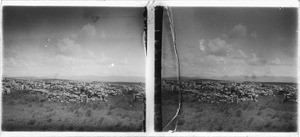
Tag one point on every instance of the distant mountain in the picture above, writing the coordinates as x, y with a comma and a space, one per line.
242, 78
90, 78
108, 78
260, 78
29, 77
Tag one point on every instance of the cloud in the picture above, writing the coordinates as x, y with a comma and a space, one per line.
256, 61
201, 46
68, 47
9, 54
240, 30
217, 54
276, 62
254, 35
95, 18
71, 45
217, 47
88, 30
221, 52
239, 54
103, 34
71, 57
71, 52
12, 52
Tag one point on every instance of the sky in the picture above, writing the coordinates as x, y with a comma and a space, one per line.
220, 42
73, 41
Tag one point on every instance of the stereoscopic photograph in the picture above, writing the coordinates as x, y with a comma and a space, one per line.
73, 69
229, 69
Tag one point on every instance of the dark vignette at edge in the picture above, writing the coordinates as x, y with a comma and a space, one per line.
157, 70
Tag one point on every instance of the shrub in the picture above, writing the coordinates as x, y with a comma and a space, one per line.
49, 120
88, 112
62, 127
238, 113
230, 129
100, 120
76, 112
291, 128
41, 104
211, 128
262, 107
200, 110
81, 128
181, 121
245, 106
31, 122
111, 107
32, 99
119, 124
74, 107
11, 102
258, 113
44, 128
250, 120
42, 99
274, 116
48, 109
94, 106
268, 124
8, 127
109, 112
286, 116
70, 128
225, 112
219, 128
10, 120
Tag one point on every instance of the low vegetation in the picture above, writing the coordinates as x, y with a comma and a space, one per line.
32, 112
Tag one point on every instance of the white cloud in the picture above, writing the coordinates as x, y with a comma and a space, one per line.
276, 61
217, 47
201, 46
68, 47
240, 30
88, 30
103, 34
239, 54
254, 35
66, 57
254, 60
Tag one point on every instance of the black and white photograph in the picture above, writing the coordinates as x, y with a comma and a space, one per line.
73, 68
229, 69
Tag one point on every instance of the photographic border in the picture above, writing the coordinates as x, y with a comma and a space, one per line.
150, 4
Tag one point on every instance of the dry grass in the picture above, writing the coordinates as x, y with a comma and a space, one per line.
266, 115
33, 112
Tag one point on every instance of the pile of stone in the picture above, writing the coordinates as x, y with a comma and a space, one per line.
290, 97
73, 91
225, 91
67, 97
226, 96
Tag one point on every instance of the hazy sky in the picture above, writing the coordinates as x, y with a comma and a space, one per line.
73, 41
217, 42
